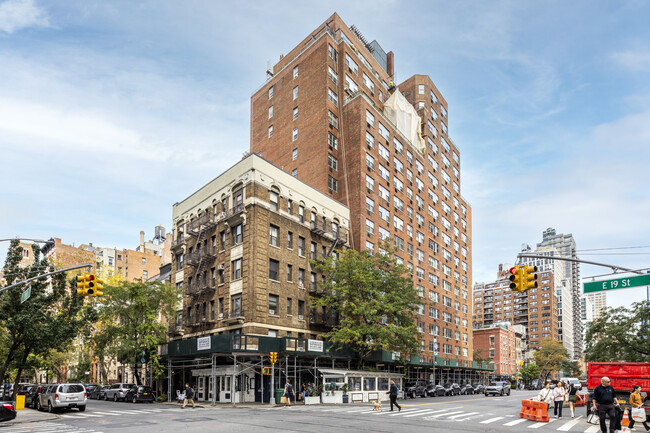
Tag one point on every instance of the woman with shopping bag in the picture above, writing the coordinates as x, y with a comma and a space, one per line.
546, 395
558, 395
638, 412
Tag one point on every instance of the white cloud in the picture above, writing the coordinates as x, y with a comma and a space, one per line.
19, 14
634, 60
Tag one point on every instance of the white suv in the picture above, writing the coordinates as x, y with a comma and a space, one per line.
573, 380
117, 391
63, 395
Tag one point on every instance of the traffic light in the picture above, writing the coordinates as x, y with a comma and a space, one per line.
517, 279
274, 357
86, 284
99, 287
530, 278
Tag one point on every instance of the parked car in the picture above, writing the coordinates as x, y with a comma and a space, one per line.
89, 387
479, 389
63, 396
575, 381
101, 393
24, 390
31, 399
452, 389
7, 410
414, 389
8, 390
95, 392
117, 391
140, 393
497, 388
467, 389
436, 391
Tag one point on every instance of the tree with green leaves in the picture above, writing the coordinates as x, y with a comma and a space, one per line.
530, 372
550, 357
48, 320
478, 355
620, 334
375, 301
130, 322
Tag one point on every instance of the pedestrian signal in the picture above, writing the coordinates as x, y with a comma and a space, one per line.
517, 278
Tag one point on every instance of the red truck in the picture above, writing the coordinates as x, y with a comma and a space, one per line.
624, 376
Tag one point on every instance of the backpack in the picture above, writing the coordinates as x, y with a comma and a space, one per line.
189, 392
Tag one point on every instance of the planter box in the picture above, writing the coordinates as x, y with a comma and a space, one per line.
335, 397
312, 400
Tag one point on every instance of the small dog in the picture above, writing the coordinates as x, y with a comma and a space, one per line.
376, 405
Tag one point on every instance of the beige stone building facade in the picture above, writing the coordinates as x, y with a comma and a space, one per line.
242, 245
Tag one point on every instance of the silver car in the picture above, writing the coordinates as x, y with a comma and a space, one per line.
62, 396
117, 391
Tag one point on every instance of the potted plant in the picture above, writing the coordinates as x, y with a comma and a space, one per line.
345, 393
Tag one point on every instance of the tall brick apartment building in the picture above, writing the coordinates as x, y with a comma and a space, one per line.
331, 115
536, 309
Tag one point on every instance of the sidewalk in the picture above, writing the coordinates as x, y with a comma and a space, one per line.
29, 415
226, 405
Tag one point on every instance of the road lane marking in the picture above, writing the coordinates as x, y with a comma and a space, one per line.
447, 413
593, 429
107, 413
515, 422
567, 426
413, 411
539, 424
425, 414
488, 421
388, 411
463, 414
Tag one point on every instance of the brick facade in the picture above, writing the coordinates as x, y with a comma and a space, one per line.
499, 344
340, 86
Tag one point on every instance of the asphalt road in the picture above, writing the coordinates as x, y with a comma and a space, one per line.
472, 413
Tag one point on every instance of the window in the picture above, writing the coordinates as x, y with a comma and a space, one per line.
294, 172
294, 154
370, 184
273, 235
270, 131
271, 92
237, 234
370, 140
332, 53
274, 198
332, 119
333, 97
332, 162
144, 261
273, 305
235, 265
368, 83
145, 274
332, 184
331, 73
383, 131
295, 93
351, 64
289, 272
301, 309
295, 113
222, 276
290, 240
351, 86
289, 306
312, 251
301, 214
370, 118
301, 246
370, 162
370, 227
421, 89
295, 72
294, 136
270, 111
274, 270
301, 277
332, 141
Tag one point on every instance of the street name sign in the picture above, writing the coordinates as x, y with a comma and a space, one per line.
619, 283
26, 294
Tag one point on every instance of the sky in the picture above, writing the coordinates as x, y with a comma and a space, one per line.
111, 111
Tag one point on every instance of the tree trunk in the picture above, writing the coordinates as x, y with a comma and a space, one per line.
20, 370
137, 374
5, 365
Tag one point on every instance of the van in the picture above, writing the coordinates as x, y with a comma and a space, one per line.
572, 380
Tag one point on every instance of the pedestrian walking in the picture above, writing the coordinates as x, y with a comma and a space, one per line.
546, 395
573, 398
189, 396
303, 393
636, 401
288, 393
393, 393
605, 403
558, 396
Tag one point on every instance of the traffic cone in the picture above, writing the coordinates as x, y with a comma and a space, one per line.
626, 419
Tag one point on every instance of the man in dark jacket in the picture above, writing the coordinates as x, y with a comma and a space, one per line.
392, 393
605, 403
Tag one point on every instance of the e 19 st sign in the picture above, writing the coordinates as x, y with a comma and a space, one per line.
619, 283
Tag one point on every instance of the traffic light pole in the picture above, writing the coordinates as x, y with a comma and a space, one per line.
86, 265
569, 259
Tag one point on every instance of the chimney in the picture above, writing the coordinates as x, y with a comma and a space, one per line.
142, 240
390, 65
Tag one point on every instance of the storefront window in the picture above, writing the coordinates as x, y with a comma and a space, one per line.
354, 383
369, 384
383, 384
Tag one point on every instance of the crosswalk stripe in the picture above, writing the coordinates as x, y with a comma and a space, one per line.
388, 411
435, 413
425, 413
411, 412
567, 426
445, 414
540, 424
491, 420
463, 415
515, 422
108, 413
593, 429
